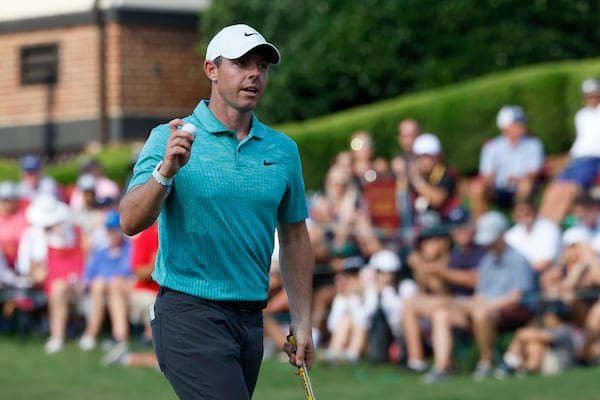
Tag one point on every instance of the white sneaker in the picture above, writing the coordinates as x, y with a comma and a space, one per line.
87, 343
117, 355
54, 345
482, 371
416, 365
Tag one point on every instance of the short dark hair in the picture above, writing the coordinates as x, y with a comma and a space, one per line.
218, 61
584, 200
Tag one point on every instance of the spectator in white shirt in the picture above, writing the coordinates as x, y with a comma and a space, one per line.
536, 238
583, 168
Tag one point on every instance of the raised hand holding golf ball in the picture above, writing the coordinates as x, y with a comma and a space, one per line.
179, 147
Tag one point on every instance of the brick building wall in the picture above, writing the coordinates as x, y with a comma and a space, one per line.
152, 73
159, 69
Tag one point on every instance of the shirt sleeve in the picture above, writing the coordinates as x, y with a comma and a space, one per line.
152, 153
293, 207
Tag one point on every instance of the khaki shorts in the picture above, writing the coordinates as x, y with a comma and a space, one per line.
139, 304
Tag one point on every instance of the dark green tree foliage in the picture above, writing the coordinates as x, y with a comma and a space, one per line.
340, 53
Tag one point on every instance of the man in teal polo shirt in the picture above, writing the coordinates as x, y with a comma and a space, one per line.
219, 194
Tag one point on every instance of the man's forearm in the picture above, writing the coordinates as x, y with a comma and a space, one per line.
464, 278
140, 207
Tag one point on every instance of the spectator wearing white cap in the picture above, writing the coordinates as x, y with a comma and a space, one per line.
583, 169
12, 221
384, 299
347, 320
431, 182
572, 273
504, 276
510, 164
50, 254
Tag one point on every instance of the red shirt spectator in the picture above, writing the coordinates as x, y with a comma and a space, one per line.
145, 246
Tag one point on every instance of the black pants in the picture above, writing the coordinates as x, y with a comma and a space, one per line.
208, 349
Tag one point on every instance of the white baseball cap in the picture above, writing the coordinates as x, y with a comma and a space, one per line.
234, 41
86, 182
508, 115
427, 144
46, 210
590, 86
385, 261
490, 226
576, 234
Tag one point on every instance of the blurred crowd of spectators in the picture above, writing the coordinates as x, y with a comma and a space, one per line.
63, 258
407, 254
414, 260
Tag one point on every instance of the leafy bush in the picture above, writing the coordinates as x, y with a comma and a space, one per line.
462, 115
114, 159
338, 54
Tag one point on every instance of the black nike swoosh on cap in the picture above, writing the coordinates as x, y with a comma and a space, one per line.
249, 34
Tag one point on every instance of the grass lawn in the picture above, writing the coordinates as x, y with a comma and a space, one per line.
27, 373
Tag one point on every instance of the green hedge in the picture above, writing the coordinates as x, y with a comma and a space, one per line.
114, 159
462, 115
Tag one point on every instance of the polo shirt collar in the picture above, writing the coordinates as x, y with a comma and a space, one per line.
212, 125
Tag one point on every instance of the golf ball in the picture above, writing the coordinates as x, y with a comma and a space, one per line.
191, 128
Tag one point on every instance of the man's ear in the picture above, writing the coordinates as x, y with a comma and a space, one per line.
211, 70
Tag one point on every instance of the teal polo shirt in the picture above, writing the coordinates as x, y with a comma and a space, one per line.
217, 224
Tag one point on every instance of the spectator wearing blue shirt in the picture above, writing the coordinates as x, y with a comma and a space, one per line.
107, 276
504, 276
510, 164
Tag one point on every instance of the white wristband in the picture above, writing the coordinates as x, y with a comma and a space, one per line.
159, 178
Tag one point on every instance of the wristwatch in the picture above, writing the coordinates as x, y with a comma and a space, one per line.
161, 179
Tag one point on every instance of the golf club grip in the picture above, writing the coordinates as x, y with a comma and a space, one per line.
303, 371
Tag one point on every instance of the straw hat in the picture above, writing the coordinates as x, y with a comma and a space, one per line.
46, 210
